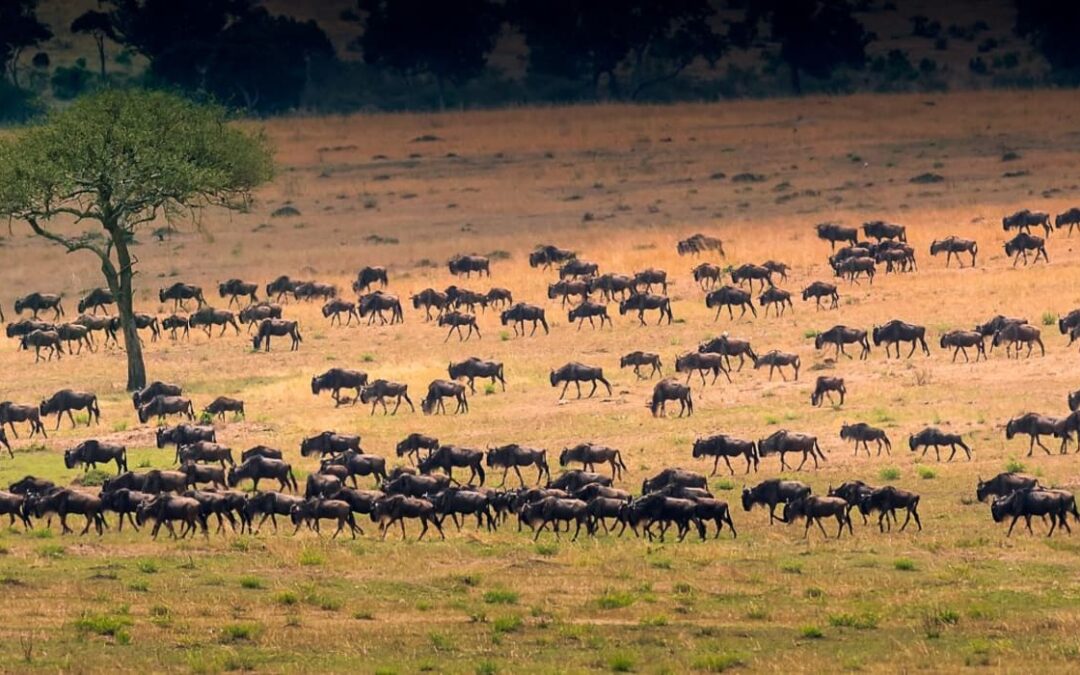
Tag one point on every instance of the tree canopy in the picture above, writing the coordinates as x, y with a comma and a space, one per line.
19, 29
1052, 27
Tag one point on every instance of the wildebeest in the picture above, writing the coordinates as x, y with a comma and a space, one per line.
368, 276
124, 502
935, 438
1070, 218
498, 297
35, 302
841, 335
1015, 334
357, 464
73, 332
819, 290
467, 264
1026, 503
253, 314
701, 362
321, 485
894, 332
269, 505
878, 229
184, 434
166, 509
772, 492
336, 307
886, 500
458, 319
310, 290
707, 275
611, 285
396, 508
223, 404
261, 451
234, 289
641, 302
670, 389
374, 304
1073, 400
572, 481
378, 391
729, 296
728, 347
337, 379
175, 322
723, 446
750, 273
784, 441
591, 454
638, 359
565, 288
514, 456
258, 468
1024, 219
657, 508
472, 368
97, 298
207, 317
851, 492
1019, 246
64, 502
66, 400
314, 509
954, 246
161, 406
180, 293
4, 442
521, 312
861, 432
577, 373
277, 328
142, 322
1036, 425
328, 443
414, 443
205, 451
996, 323
440, 389
675, 477
27, 326
413, 485
39, 339
853, 268
447, 457
10, 413
281, 287
644, 280
776, 360
698, 243
546, 255
1004, 484
428, 298
778, 298
588, 310
960, 340
814, 509
93, 452
578, 269
833, 233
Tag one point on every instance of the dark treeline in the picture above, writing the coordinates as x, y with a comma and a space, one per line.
414, 54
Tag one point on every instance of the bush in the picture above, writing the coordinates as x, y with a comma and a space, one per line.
1014, 466
17, 105
113, 625
253, 583
621, 663
904, 564
926, 473
889, 473
1049, 318
811, 632
68, 83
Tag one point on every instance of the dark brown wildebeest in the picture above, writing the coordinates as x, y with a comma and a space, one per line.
1015, 334
204, 451
1036, 425
723, 446
328, 443
590, 454
268, 505
572, 481
97, 298
640, 302
234, 289
253, 314
184, 434
651, 509
553, 511
778, 298
378, 391
514, 456
91, 453
819, 290
701, 362
546, 255
1066, 324
932, 437
368, 276
776, 267
954, 246
776, 360
728, 347
577, 373
39, 339
697, 243
472, 368
440, 389
374, 304
258, 468
498, 297
201, 473
520, 313
27, 326
463, 298
261, 451
1024, 219
847, 253
281, 287
707, 275
674, 477
611, 285
124, 502
467, 264
851, 492
335, 308
1073, 400
879, 229
772, 492
647, 278
413, 443
167, 509
396, 508
751, 273
853, 268
337, 379
102, 324
841, 335
588, 310
447, 457
310, 290
10, 413
321, 485
783, 441
66, 400
1019, 246
814, 509
833, 233
1004, 484
729, 296
639, 359
175, 322
223, 404
861, 432
152, 390
886, 500
77, 333
180, 293
600, 508
569, 287
578, 269
428, 298
207, 317
142, 322
4, 442
960, 340
65, 502
357, 464
458, 319
894, 332
897, 259
413, 485
1070, 218
312, 510
35, 302
161, 406
996, 323
221, 504
277, 328
1057, 504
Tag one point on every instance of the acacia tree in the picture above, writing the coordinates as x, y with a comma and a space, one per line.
121, 160
99, 26
19, 29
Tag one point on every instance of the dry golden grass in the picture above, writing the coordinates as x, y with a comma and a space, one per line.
518, 178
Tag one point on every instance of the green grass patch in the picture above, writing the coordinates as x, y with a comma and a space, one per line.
718, 663
309, 557
1049, 318
113, 624
240, 632
501, 596
904, 564
724, 484
489, 389
1015, 466
286, 598
52, 551
791, 567
614, 600
926, 473
656, 621
507, 624
865, 621
621, 663
811, 632
253, 583
889, 473
146, 566
547, 550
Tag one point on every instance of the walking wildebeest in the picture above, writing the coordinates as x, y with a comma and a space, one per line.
776, 360
728, 347
894, 332
253, 314
35, 302
670, 389
368, 276
886, 500
337, 379
1024, 219
97, 298
428, 298
396, 508
456, 320
161, 406
103, 324
1057, 504
207, 317
4, 442
1004, 484
1019, 246
223, 404
566, 288
467, 264
648, 278
841, 335
472, 368
861, 432
184, 434
165, 509
954, 246
39, 339
520, 313
440, 389
784, 441
578, 269
1016, 333
91, 453
879, 229
853, 268
591, 454
647, 301
258, 468
27, 326
413, 443
674, 477
698, 243
234, 289
778, 298
1073, 400
1070, 218
772, 492
180, 293
328, 443
152, 390
819, 290
546, 255
833, 233
814, 509
729, 296
723, 446
639, 359
514, 456
611, 285
174, 322
577, 373
312, 510
63, 502
205, 451
707, 275
335, 308
66, 400
447, 457
10, 413
498, 297
701, 362
310, 290
374, 304
378, 391
1035, 425
935, 438
588, 310
960, 340
750, 273
73, 332
277, 328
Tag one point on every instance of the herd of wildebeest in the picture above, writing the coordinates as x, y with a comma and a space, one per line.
202, 488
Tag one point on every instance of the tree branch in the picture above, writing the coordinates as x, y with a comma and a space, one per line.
72, 245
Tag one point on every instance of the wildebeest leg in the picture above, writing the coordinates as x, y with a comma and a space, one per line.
799, 468
565, 385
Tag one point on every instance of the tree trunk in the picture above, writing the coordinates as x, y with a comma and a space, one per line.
120, 284
101, 54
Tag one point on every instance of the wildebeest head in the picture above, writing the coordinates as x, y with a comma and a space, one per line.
1010, 429
1001, 507
71, 458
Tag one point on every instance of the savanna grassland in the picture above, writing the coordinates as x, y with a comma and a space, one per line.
620, 185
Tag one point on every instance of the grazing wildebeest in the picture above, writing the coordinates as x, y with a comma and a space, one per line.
954, 246
328, 443
1004, 484
886, 500
258, 468
784, 441
814, 509
66, 400
935, 438
374, 304
458, 319
833, 233
253, 314
611, 285
335, 308
10, 413
368, 276
161, 406
277, 328
894, 332
591, 454
520, 313
234, 289
1024, 219
1057, 504
728, 347
165, 509
577, 269
960, 340
670, 389
1036, 425
378, 391
514, 456
577, 373
205, 451
467, 264
698, 243
472, 368
180, 293
310, 290
1070, 218
819, 290
778, 298
750, 273
428, 298
776, 360
440, 389
841, 335
723, 446
861, 432
35, 302
588, 310
729, 296
1015, 334
207, 317
546, 255
447, 457
223, 404
48, 339
91, 453
639, 359
707, 275
97, 298
853, 268
175, 322
879, 229
569, 287
1019, 246
701, 362
772, 492
413, 443
184, 434
396, 508
337, 379
641, 302
647, 278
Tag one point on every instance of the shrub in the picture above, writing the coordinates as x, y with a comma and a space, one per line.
889, 473
253, 583
811, 632
146, 566
114, 625
70, 82
926, 473
621, 663
1049, 318
1014, 466
287, 598
904, 564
